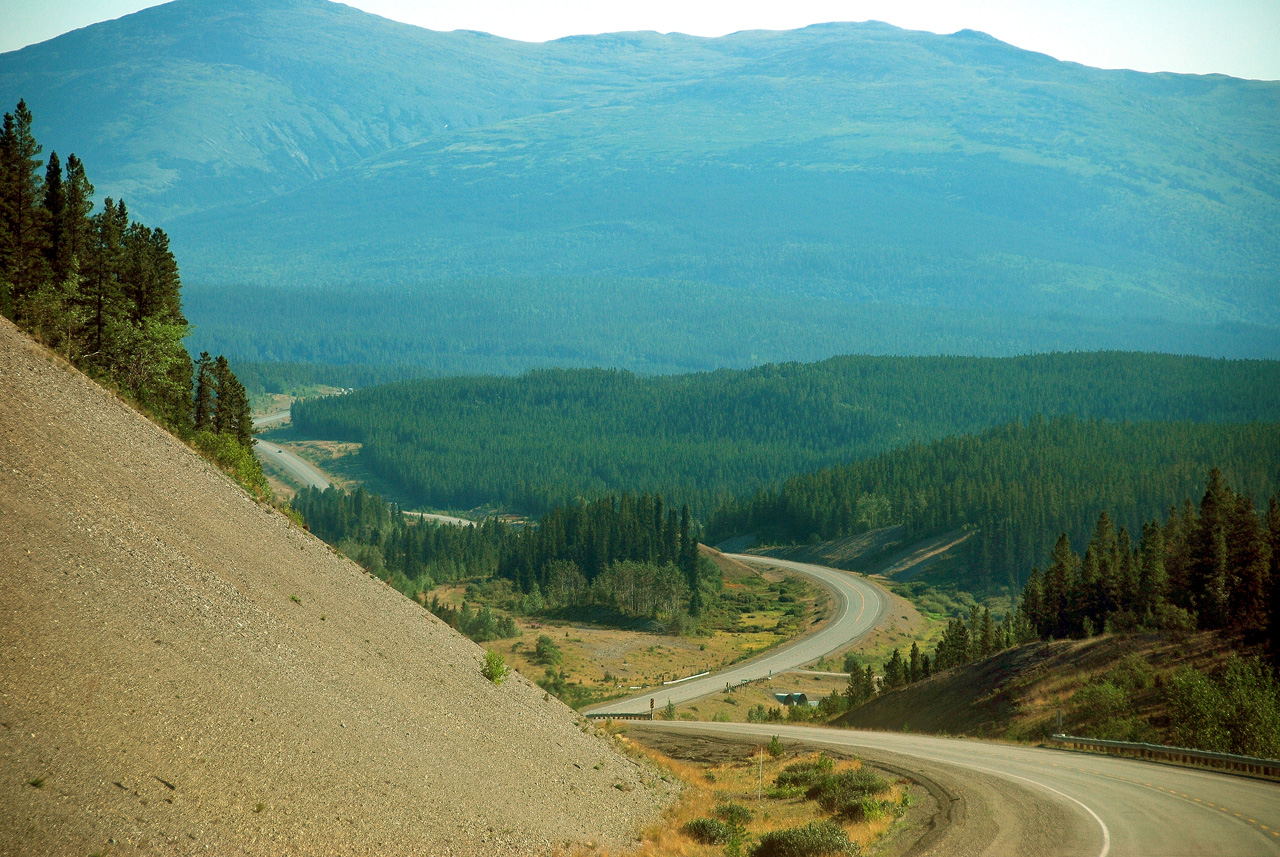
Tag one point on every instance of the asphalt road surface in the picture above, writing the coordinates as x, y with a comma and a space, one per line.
306, 473
1000, 799
860, 605
298, 470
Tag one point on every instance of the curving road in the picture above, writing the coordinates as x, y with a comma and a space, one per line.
300, 471
1018, 800
305, 473
860, 605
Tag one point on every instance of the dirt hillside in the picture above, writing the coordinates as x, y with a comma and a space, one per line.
1017, 693
183, 671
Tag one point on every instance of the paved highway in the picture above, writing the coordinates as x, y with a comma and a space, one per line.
302, 472
1019, 800
860, 605
306, 473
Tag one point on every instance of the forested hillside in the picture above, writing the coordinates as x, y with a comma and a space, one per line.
1018, 486
103, 291
550, 436
628, 556
656, 183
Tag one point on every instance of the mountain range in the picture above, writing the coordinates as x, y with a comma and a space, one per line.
302, 146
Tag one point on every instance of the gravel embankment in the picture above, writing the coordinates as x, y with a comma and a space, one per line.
182, 671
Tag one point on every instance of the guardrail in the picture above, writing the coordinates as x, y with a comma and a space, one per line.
1180, 755
687, 678
646, 715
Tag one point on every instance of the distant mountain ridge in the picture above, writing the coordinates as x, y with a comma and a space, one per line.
305, 143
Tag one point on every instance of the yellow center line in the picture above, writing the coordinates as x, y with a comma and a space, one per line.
1173, 792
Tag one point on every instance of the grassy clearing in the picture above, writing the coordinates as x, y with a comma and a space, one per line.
745, 791
756, 611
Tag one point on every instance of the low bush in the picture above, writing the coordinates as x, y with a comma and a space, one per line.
495, 668
734, 814
804, 774
844, 794
817, 839
708, 831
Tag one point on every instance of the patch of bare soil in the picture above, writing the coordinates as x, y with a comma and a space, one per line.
183, 670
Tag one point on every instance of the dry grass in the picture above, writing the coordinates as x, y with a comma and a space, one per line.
746, 782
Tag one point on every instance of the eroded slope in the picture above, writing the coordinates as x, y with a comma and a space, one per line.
181, 668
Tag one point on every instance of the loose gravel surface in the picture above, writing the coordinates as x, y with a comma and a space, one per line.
183, 671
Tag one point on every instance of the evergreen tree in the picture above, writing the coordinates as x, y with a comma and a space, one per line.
1152, 579
23, 218
202, 406
1209, 555
1248, 561
231, 408
915, 670
987, 640
895, 672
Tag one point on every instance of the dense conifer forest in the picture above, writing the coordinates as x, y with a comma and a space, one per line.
103, 291
1213, 565
628, 556
1017, 486
550, 436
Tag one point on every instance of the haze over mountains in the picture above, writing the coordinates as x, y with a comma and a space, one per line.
909, 192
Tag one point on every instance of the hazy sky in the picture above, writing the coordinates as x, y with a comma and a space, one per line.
1236, 37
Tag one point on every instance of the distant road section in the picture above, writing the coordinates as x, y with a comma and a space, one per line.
860, 605
305, 473
270, 420
302, 472
299, 470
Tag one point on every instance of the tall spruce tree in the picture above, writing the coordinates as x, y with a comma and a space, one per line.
202, 404
23, 229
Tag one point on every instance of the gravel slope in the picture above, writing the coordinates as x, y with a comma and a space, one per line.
158, 676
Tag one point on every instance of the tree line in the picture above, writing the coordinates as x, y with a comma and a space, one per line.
103, 290
1212, 566
548, 437
1014, 486
629, 555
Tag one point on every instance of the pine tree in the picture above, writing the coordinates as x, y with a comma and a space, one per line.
1152, 578
55, 203
1209, 554
987, 643
1248, 562
231, 414
202, 410
23, 231
915, 671
895, 673
1059, 579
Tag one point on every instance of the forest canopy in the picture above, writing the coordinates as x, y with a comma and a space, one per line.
551, 436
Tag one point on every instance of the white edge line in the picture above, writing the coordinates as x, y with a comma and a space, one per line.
1106, 834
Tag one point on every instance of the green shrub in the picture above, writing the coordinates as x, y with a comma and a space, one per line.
734, 814
1237, 711
546, 651
804, 774
495, 668
235, 459
1100, 701
844, 794
813, 840
1131, 674
774, 747
708, 831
